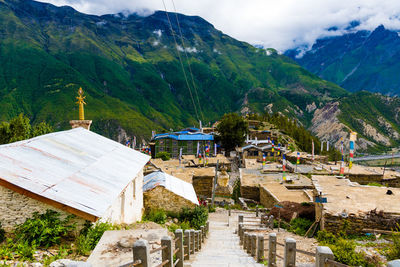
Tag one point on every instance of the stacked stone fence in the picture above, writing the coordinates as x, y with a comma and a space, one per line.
254, 245
187, 243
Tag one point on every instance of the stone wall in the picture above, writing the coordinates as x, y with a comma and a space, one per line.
267, 199
203, 185
355, 224
16, 208
161, 198
250, 192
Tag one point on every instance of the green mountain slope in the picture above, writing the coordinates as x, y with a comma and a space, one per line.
129, 69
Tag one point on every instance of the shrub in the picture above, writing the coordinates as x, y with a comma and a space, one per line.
44, 230
343, 249
2, 233
299, 226
163, 155
197, 216
157, 216
184, 226
394, 251
211, 208
90, 236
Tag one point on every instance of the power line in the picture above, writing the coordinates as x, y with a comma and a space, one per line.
187, 59
180, 60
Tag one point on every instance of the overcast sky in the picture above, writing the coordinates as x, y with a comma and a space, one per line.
281, 24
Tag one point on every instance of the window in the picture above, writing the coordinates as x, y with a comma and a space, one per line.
174, 142
161, 148
161, 142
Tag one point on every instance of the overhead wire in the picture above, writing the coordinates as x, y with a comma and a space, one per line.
180, 60
187, 59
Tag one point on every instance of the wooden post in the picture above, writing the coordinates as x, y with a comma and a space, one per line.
253, 239
141, 252
187, 244
214, 184
207, 228
192, 242
240, 233
260, 248
272, 250
321, 254
395, 263
203, 233
229, 210
248, 250
256, 211
200, 238
240, 218
290, 253
167, 253
245, 240
271, 222
179, 245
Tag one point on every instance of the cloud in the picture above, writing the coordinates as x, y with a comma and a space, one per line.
280, 24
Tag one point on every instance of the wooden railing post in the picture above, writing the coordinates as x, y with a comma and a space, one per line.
141, 252
321, 254
203, 233
290, 253
187, 244
253, 241
257, 211
271, 222
179, 245
245, 239
240, 233
167, 253
272, 250
248, 243
260, 248
192, 241
394, 263
199, 240
207, 228
240, 218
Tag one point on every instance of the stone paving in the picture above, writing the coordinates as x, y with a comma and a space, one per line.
221, 248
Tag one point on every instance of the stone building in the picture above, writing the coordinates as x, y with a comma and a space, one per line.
166, 192
73, 172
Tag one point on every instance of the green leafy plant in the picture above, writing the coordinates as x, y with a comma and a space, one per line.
393, 252
197, 216
163, 155
90, 235
236, 191
211, 208
156, 215
44, 230
300, 226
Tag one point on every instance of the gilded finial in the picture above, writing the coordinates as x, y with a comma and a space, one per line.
81, 102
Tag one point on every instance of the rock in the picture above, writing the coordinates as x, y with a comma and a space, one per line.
69, 263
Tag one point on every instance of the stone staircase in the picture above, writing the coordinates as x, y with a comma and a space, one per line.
222, 248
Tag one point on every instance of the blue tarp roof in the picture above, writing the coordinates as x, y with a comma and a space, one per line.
185, 136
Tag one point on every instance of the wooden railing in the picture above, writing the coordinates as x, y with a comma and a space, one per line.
186, 244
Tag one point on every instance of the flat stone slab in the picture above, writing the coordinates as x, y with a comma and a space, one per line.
115, 247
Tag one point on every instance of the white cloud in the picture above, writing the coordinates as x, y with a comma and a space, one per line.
280, 24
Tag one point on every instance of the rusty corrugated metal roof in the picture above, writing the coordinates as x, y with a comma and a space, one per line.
77, 168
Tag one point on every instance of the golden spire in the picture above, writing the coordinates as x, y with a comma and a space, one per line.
81, 102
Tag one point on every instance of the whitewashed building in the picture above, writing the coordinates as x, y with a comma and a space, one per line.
73, 172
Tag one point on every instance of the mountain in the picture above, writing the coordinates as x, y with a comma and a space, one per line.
360, 60
132, 75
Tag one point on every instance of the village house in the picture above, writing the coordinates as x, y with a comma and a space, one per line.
164, 191
72, 172
190, 140
340, 202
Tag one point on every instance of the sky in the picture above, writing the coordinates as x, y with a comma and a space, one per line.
282, 24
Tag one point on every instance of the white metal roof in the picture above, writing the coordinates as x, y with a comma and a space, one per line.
171, 183
78, 168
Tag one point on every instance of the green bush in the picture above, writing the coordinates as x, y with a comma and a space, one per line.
90, 236
184, 226
211, 208
394, 251
2, 233
157, 216
197, 216
44, 230
163, 155
236, 191
343, 249
299, 226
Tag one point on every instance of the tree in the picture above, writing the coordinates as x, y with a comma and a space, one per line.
20, 128
232, 131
